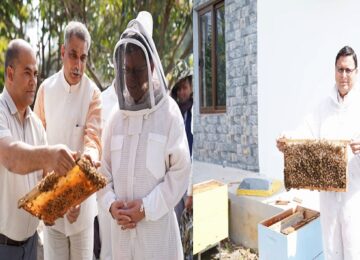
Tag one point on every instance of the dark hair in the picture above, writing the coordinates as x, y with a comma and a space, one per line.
173, 92
13, 51
11, 54
346, 51
187, 78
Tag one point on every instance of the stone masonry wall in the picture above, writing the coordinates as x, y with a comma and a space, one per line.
231, 138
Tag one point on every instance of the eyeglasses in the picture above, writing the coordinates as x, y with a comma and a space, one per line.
135, 71
347, 71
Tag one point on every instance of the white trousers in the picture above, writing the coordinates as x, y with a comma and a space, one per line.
75, 247
340, 222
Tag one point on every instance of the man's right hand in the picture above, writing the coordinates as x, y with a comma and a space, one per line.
60, 159
122, 220
281, 143
73, 214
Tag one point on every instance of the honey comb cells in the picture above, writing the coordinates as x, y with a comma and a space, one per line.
55, 195
315, 165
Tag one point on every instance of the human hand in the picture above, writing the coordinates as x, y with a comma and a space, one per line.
123, 220
281, 143
94, 163
73, 213
45, 173
60, 159
355, 146
134, 209
189, 202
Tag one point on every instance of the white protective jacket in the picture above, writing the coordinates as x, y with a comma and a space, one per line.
145, 156
339, 211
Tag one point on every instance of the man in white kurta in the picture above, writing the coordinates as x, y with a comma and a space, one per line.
337, 117
69, 105
145, 155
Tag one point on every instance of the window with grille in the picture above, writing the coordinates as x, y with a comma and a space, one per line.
212, 63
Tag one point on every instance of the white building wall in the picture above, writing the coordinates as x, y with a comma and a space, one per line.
297, 44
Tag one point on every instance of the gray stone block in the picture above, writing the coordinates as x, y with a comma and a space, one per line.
232, 136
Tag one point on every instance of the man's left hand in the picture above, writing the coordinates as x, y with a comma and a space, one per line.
73, 214
355, 146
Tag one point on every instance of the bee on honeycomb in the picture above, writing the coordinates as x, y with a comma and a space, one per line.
55, 195
315, 165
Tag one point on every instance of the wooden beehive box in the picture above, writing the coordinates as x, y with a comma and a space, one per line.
293, 234
315, 164
210, 203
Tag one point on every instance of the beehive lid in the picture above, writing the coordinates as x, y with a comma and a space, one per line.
206, 186
258, 187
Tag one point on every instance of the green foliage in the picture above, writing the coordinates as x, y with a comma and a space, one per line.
172, 23
15, 15
105, 20
3, 44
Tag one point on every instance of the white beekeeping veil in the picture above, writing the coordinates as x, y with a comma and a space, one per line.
139, 77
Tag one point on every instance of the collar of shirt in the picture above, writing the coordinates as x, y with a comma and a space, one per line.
11, 104
348, 98
68, 88
339, 98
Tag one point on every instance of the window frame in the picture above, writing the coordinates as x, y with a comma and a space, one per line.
210, 7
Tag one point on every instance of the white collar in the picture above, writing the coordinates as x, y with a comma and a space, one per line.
344, 101
11, 105
68, 88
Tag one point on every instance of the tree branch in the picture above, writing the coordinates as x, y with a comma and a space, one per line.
178, 43
94, 77
187, 50
165, 23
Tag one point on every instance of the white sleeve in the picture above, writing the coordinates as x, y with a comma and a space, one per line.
190, 187
4, 128
168, 193
106, 196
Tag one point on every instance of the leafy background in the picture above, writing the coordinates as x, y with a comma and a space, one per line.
105, 20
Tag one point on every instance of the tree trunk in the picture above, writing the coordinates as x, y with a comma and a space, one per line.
42, 51
48, 67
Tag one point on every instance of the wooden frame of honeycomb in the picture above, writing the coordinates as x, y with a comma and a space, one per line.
291, 220
316, 164
55, 195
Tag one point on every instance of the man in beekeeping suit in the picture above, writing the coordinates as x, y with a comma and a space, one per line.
110, 103
337, 117
145, 154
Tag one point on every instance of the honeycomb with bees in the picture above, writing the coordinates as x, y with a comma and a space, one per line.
315, 164
55, 194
